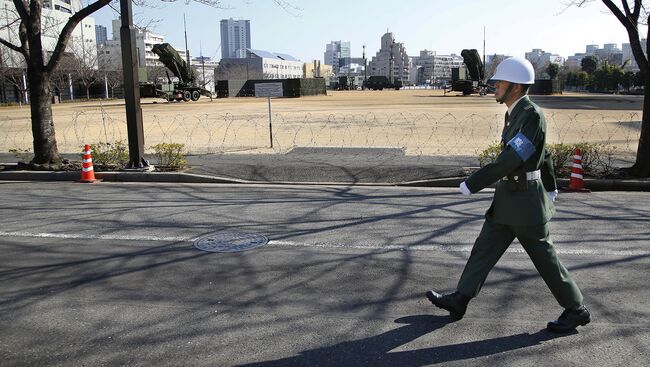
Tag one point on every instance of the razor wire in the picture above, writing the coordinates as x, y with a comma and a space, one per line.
418, 134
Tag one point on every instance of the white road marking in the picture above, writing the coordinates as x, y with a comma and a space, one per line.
369, 246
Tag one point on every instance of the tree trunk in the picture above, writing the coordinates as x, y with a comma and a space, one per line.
641, 167
45, 150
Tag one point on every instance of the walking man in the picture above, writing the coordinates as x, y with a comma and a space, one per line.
522, 204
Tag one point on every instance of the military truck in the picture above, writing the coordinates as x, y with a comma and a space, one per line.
475, 83
185, 89
377, 82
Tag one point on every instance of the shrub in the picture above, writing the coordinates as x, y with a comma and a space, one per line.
597, 158
561, 155
489, 155
170, 155
107, 155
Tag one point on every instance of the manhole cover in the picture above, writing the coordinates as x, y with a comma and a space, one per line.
230, 241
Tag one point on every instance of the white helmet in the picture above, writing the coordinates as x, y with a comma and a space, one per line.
515, 70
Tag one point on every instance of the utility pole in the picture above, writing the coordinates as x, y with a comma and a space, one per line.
134, 126
483, 53
202, 63
187, 52
365, 68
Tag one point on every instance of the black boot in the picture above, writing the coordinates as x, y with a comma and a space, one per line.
569, 320
455, 303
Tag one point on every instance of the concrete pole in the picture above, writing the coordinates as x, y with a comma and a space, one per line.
134, 126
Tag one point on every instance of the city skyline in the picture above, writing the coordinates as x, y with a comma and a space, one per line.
451, 27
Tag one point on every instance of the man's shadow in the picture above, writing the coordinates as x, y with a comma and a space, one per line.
375, 351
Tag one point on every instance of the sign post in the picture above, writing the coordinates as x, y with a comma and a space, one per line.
269, 90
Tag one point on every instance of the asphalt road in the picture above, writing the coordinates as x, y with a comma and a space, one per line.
107, 274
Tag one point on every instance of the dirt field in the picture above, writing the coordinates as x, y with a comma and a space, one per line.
424, 122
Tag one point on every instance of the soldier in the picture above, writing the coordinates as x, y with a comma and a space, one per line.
522, 204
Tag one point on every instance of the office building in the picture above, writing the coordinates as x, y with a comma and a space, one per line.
391, 60
260, 64
101, 35
110, 53
235, 38
334, 52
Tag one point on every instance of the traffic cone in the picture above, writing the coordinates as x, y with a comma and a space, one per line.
87, 171
576, 182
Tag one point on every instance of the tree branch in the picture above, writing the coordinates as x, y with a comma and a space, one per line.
637, 8
631, 25
623, 18
11, 46
22, 9
62, 42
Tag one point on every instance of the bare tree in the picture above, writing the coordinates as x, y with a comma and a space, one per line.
11, 74
632, 14
62, 75
114, 78
41, 64
40, 69
85, 64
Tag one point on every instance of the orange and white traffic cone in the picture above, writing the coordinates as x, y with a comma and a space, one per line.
87, 171
576, 182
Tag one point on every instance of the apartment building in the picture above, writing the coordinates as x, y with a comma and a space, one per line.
391, 60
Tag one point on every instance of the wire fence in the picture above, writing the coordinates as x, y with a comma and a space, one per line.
417, 134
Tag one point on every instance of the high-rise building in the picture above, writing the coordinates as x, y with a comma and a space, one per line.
101, 35
391, 60
235, 38
334, 52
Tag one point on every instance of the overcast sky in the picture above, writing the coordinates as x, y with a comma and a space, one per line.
445, 26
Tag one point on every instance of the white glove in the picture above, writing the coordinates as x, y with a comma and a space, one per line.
464, 190
552, 195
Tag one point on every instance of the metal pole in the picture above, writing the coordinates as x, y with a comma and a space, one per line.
25, 88
187, 52
270, 124
70, 87
134, 125
106, 85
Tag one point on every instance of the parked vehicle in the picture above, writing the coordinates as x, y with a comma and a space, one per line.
377, 82
476, 81
185, 89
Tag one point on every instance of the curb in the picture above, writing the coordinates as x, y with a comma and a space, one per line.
72, 176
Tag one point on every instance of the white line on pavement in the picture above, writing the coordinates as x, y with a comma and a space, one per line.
432, 247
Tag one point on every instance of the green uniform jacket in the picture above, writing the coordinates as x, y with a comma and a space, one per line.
532, 206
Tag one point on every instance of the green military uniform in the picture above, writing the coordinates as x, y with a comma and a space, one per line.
520, 208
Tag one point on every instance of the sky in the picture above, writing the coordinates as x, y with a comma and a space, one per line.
445, 26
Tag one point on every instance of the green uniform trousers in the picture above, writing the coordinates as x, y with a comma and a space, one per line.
493, 241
